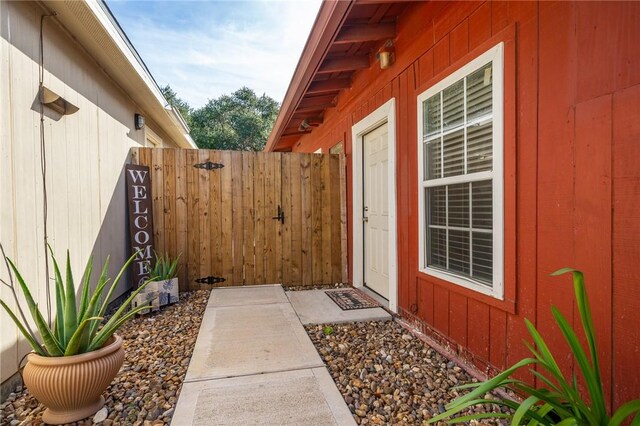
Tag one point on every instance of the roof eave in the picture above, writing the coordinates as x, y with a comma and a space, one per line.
138, 83
325, 28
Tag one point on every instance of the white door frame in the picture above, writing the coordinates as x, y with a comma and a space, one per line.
385, 114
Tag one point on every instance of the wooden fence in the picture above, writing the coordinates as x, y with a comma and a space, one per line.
218, 210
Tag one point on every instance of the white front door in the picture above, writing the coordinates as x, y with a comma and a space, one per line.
375, 197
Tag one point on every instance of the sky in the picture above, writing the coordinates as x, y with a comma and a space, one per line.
204, 49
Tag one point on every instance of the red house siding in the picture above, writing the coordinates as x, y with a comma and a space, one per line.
572, 169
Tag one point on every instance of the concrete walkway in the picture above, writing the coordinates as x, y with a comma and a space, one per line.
315, 307
253, 364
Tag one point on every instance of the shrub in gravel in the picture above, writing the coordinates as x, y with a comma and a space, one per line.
560, 400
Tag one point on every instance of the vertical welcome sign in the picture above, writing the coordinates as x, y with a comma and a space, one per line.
140, 221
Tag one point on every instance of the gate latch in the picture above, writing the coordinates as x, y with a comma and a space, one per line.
280, 216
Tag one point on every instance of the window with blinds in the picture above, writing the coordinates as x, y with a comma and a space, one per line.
461, 175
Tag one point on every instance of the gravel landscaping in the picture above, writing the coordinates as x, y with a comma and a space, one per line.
385, 374
388, 376
158, 348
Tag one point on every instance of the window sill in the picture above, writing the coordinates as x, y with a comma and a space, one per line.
507, 304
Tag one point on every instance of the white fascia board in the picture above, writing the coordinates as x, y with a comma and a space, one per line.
178, 120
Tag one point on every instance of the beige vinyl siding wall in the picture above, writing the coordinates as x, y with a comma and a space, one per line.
86, 153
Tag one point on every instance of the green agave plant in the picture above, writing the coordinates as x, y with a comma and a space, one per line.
76, 328
165, 268
560, 401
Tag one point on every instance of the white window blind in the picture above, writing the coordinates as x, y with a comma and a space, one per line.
461, 179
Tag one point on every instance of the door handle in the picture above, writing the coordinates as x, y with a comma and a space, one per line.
365, 219
280, 216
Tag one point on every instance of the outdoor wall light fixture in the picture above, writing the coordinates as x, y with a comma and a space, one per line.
303, 126
139, 121
386, 55
310, 122
57, 103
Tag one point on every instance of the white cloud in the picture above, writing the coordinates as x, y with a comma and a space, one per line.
208, 59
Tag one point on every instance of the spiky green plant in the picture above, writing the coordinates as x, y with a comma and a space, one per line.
560, 401
76, 328
165, 268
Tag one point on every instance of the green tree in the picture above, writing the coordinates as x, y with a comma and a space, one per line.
240, 121
182, 105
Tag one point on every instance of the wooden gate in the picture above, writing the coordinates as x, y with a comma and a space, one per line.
249, 217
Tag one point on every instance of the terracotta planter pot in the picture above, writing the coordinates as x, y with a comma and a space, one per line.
71, 387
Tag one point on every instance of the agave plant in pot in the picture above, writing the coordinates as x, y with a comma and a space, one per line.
80, 353
165, 282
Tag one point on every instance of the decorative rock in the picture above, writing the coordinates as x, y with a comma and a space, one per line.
388, 376
155, 413
101, 415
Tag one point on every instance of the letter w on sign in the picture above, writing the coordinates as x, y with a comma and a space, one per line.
140, 221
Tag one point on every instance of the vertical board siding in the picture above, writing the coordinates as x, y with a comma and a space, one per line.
479, 328
460, 41
513, 331
497, 344
626, 249
480, 25
221, 221
458, 313
571, 169
556, 203
593, 218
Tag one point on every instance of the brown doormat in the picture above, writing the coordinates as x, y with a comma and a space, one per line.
351, 298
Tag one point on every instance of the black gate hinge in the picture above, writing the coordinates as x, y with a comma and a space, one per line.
210, 280
208, 166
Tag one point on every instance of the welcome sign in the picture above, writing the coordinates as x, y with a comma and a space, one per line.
140, 221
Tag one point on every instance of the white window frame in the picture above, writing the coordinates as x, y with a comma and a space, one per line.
495, 55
